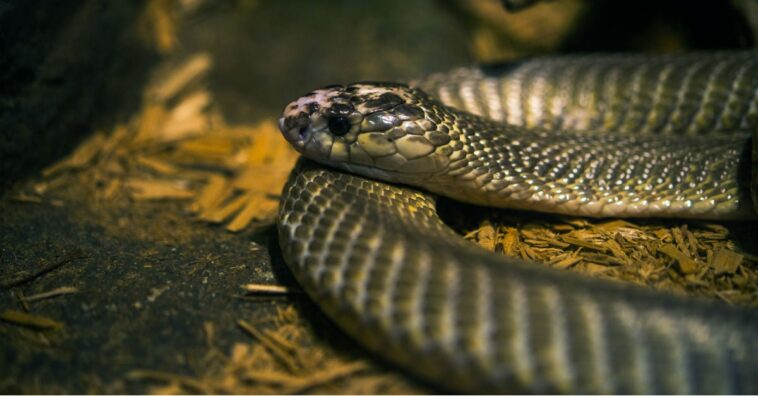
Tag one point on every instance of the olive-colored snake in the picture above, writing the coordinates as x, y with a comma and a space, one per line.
378, 260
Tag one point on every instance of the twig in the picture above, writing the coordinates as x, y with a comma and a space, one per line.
69, 257
258, 288
52, 293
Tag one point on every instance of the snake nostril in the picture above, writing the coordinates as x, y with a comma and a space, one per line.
303, 131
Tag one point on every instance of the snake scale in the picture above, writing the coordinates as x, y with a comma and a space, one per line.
363, 237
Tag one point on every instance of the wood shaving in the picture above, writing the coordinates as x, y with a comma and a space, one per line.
280, 360
178, 147
698, 259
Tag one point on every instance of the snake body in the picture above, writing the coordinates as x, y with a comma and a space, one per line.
379, 261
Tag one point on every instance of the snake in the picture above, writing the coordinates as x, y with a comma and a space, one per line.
595, 135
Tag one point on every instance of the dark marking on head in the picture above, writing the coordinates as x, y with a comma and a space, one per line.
312, 107
384, 101
299, 120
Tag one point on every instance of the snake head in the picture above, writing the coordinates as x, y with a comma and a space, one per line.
382, 130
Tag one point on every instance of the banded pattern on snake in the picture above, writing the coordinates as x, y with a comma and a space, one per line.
378, 260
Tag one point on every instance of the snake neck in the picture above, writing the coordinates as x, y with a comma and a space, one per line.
594, 174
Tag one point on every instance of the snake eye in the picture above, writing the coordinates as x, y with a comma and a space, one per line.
339, 126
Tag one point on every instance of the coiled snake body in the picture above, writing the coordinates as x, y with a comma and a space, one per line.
378, 260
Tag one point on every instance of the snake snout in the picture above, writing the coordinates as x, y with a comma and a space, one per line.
296, 129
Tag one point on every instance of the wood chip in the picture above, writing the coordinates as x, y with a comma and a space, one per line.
578, 242
567, 262
221, 213
154, 189
215, 190
190, 107
555, 242
511, 241
208, 147
663, 235
678, 234
726, 261
562, 227
617, 251
686, 264
487, 236
190, 126
267, 147
150, 124
263, 178
197, 65
692, 243
157, 165
528, 253
529, 235
257, 206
